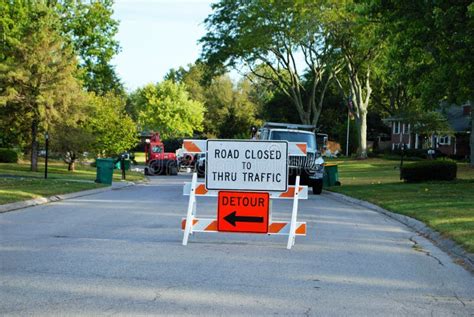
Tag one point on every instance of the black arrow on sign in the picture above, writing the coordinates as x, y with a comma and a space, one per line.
232, 218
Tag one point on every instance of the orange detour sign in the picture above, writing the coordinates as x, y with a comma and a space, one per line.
243, 212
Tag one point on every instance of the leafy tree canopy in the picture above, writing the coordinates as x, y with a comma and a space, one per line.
166, 107
91, 29
113, 130
274, 34
37, 72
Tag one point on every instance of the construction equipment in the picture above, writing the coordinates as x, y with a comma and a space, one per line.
158, 161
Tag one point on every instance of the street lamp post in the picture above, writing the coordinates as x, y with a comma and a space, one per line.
46, 137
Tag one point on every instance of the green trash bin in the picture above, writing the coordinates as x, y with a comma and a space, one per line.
105, 170
331, 175
126, 162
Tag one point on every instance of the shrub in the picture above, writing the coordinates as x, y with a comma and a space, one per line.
429, 170
8, 156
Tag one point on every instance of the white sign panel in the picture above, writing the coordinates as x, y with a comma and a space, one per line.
247, 165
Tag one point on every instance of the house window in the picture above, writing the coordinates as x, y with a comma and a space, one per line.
444, 140
406, 128
396, 127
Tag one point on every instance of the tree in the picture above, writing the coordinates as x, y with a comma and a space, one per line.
69, 135
167, 108
356, 36
91, 29
230, 110
113, 130
37, 73
431, 50
71, 141
273, 34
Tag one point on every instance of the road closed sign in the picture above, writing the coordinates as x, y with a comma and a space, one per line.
247, 165
242, 212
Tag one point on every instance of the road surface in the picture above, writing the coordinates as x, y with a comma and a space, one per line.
120, 253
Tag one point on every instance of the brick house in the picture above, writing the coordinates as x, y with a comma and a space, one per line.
459, 118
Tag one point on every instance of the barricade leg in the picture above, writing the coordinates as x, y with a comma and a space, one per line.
191, 210
294, 214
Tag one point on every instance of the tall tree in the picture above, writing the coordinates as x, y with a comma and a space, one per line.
356, 35
37, 75
274, 34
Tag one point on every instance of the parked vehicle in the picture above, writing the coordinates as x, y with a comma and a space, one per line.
309, 167
159, 162
200, 166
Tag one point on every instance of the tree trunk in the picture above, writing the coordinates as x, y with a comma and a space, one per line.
362, 134
316, 117
34, 146
472, 134
71, 161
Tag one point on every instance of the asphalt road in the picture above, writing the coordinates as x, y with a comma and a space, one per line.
119, 253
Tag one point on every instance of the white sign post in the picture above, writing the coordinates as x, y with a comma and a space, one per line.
247, 165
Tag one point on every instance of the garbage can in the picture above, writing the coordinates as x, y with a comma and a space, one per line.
105, 170
126, 162
331, 175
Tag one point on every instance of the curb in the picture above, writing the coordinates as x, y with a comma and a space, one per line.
447, 245
45, 200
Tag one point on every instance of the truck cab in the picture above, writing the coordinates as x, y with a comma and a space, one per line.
310, 168
158, 161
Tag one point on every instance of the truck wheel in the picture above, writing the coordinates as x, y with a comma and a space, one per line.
317, 187
171, 169
155, 167
147, 171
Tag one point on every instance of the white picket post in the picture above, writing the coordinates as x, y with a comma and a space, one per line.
294, 214
191, 210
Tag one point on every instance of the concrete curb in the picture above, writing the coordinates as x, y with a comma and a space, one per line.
447, 245
45, 200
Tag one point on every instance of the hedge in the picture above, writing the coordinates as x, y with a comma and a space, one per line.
429, 170
8, 156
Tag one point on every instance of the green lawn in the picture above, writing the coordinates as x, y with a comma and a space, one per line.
18, 183
447, 207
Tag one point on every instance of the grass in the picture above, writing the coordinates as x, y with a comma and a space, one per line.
447, 207
140, 158
18, 183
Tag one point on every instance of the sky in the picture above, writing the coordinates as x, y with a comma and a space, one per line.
157, 35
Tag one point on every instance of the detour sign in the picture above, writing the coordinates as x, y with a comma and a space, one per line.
242, 212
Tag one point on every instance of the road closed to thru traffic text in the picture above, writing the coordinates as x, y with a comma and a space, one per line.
247, 165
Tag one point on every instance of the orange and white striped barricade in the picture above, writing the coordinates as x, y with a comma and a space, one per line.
290, 228
225, 160
194, 146
200, 146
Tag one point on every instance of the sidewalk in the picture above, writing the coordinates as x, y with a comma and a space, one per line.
45, 200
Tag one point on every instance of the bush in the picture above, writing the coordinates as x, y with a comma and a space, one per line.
429, 170
8, 156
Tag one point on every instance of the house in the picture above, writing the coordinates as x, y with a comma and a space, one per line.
458, 117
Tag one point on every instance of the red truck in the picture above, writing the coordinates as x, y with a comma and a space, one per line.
159, 162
